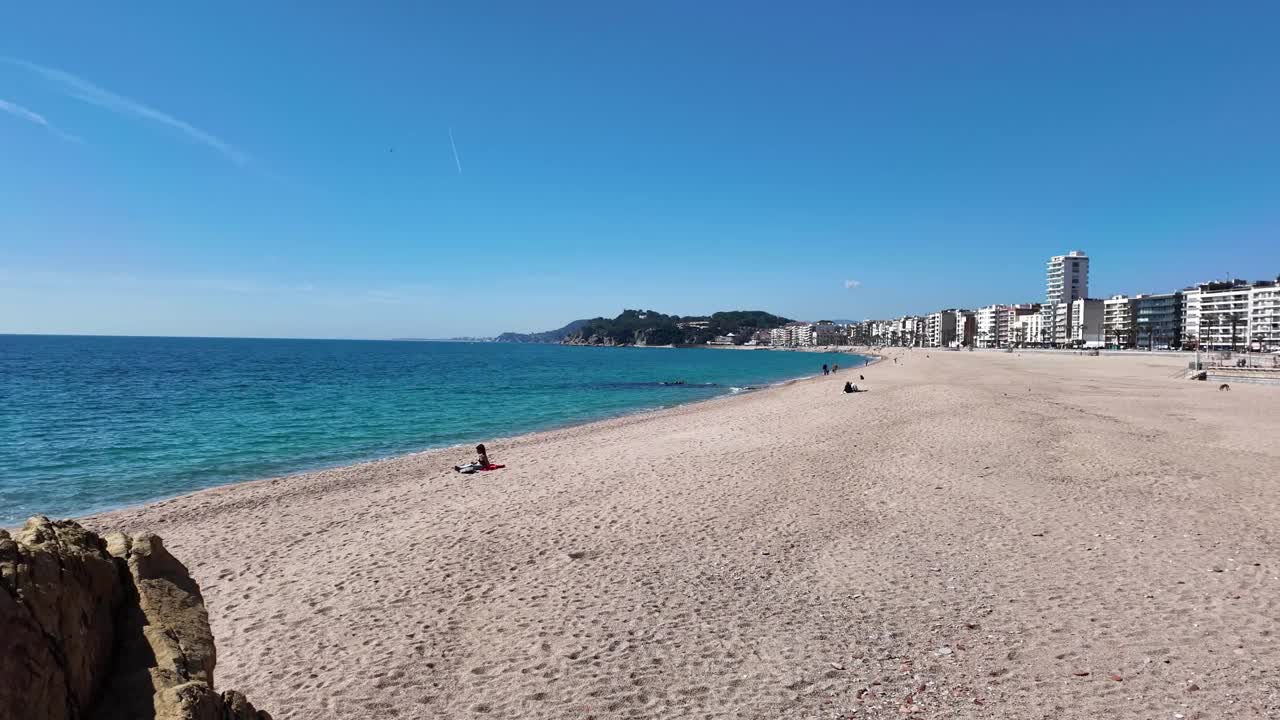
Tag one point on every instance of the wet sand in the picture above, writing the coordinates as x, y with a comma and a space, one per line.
981, 535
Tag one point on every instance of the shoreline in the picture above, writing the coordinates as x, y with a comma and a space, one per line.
464, 448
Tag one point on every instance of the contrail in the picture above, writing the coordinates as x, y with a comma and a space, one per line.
32, 116
81, 89
454, 145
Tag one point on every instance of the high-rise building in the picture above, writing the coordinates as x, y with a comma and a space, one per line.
1067, 280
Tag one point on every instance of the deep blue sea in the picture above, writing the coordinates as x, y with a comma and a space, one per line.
91, 423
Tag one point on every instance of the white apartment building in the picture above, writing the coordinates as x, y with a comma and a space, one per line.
1058, 323
1086, 320
1235, 314
993, 326
802, 334
1067, 279
911, 331
1264, 316
1117, 321
918, 331
940, 328
878, 332
791, 335
859, 333
1215, 315
1025, 329
1016, 324
965, 328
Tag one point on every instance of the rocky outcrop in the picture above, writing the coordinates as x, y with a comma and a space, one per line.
94, 628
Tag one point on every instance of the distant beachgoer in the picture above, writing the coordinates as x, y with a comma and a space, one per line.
481, 463
834, 368
825, 371
861, 377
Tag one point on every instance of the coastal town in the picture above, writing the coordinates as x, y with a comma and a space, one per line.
1231, 315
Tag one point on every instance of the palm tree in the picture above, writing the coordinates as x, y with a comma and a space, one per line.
1235, 322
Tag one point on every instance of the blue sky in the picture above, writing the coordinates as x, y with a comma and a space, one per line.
273, 169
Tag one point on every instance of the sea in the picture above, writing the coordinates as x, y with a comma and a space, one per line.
95, 423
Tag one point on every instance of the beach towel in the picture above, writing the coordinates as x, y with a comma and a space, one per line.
476, 467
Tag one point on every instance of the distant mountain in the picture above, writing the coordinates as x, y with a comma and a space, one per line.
550, 336
454, 339
648, 327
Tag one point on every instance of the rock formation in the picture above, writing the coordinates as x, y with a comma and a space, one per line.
108, 629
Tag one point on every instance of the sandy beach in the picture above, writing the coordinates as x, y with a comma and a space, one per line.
981, 535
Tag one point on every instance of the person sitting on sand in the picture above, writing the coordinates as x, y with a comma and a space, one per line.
849, 387
481, 463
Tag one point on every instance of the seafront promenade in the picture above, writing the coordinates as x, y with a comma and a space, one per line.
980, 535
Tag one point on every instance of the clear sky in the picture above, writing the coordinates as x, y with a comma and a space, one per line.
286, 169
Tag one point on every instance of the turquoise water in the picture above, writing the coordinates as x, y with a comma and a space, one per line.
89, 423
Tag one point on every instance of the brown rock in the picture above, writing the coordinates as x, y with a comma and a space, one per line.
107, 629
238, 708
59, 591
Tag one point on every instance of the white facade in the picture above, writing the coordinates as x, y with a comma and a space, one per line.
911, 331
1022, 319
1216, 315
918, 325
963, 328
1117, 321
1067, 277
1066, 280
1058, 323
940, 328
791, 335
1026, 329
1232, 315
1264, 316
993, 326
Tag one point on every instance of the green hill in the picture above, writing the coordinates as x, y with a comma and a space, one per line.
649, 327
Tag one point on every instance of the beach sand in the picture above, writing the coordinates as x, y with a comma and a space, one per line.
981, 535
